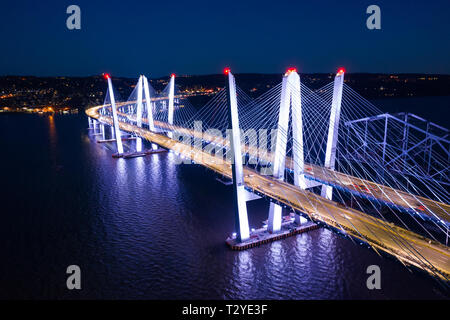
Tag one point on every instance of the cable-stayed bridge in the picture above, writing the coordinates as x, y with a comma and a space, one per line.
329, 155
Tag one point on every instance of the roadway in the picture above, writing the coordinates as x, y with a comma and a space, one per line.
407, 246
434, 210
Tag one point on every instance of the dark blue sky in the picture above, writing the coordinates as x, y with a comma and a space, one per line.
157, 38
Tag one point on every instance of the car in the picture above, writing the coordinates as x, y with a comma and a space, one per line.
421, 208
360, 187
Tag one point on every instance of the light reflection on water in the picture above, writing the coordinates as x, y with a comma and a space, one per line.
146, 228
244, 273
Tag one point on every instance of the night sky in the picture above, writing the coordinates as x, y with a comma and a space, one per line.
127, 38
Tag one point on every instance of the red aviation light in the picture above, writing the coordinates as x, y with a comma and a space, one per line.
291, 70
172, 75
226, 71
341, 71
106, 76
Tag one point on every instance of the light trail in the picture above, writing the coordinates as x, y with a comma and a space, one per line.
407, 246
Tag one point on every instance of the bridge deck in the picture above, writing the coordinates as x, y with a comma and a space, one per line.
407, 246
424, 207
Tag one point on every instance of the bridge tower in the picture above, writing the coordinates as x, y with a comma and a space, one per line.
139, 111
102, 130
171, 101
239, 192
148, 105
115, 118
290, 100
333, 131
94, 125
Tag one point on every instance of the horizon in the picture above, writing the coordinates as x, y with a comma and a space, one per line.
218, 74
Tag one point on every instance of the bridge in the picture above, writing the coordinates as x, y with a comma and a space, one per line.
323, 155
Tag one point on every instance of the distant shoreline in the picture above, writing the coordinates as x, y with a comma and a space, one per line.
61, 93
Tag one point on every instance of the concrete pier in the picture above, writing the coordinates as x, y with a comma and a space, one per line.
261, 236
225, 181
114, 140
135, 154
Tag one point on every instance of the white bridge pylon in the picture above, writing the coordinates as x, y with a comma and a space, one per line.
290, 100
290, 103
239, 192
139, 112
115, 118
143, 92
333, 130
171, 105
149, 106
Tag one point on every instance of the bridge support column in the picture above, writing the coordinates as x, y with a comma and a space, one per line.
102, 130
239, 196
290, 95
171, 106
90, 122
148, 104
333, 131
115, 118
139, 114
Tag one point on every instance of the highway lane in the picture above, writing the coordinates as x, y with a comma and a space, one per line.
435, 210
407, 246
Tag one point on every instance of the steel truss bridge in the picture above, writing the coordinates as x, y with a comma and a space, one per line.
329, 155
